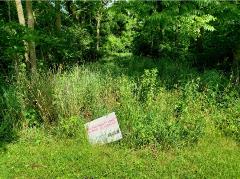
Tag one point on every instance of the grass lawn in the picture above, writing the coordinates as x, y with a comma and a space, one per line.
38, 155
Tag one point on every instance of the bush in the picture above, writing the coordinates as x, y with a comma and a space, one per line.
157, 115
71, 128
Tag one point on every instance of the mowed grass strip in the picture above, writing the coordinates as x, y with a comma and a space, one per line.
53, 158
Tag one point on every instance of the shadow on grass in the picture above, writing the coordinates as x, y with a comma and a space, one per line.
7, 137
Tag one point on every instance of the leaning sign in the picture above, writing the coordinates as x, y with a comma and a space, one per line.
103, 130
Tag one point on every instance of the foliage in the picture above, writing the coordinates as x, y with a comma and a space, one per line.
170, 72
227, 119
183, 31
71, 128
73, 45
121, 29
149, 110
10, 111
168, 28
11, 46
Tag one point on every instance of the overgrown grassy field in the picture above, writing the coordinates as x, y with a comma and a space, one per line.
176, 122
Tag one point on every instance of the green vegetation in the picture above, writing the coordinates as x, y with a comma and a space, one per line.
169, 70
175, 130
39, 155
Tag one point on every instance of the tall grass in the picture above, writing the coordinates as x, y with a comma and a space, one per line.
153, 105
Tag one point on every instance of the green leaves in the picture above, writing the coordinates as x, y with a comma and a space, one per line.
191, 25
170, 27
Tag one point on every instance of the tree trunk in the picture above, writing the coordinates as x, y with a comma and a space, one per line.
58, 15
31, 43
9, 10
71, 10
22, 22
236, 63
98, 18
20, 12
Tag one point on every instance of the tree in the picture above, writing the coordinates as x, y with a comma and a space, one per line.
21, 22
9, 10
58, 15
20, 12
98, 19
30, 52
167, 29
31, 43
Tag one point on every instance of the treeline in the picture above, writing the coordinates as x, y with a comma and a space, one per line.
49, 33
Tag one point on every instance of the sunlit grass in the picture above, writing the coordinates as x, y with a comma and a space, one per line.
45, 156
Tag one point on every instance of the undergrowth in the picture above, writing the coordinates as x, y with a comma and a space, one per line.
160, 104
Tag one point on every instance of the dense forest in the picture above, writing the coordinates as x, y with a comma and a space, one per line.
170, 70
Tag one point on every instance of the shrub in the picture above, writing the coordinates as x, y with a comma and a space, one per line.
157, 115
71, 128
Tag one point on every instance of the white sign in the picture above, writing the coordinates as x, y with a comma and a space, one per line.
104, 129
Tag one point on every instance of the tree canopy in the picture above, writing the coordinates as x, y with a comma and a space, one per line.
203, 33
